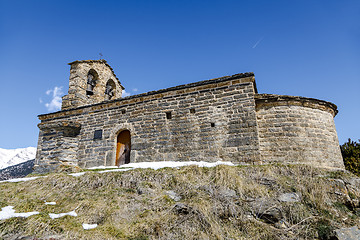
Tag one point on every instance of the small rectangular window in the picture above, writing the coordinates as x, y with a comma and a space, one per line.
168, 115
123, 111
98, 134
212, 124
192, 110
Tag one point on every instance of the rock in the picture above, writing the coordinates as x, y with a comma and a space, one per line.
267, 182
339, 186
227, 193
352, 233
145, 190
226, 210
267, 210
289, 197
181, 208
282, 224
353, 181
173, 195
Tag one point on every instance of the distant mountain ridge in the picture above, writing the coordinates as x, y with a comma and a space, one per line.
17, 171
10, 157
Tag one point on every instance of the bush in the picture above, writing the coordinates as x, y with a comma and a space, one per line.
351, 154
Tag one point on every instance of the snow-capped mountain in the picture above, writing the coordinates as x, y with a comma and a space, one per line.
9, 157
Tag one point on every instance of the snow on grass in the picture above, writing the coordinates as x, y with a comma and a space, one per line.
102, 167
9, 212
169, 164
19, 179
76, 174
89, 226
116, 170
130, 166
50, 203
59, 215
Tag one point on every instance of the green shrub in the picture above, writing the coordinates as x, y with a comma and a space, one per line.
351, 154
325, 230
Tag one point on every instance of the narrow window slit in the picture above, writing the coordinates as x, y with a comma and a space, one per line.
98, 134
168, 115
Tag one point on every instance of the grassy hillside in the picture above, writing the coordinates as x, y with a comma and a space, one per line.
225, 202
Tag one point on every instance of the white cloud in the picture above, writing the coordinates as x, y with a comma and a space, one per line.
55, 103
125, 93
135, 89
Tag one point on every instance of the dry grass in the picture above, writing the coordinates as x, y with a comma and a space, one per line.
215, 204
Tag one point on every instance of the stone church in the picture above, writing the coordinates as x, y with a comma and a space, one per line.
222, 119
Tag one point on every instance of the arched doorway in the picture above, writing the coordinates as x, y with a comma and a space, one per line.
123, 148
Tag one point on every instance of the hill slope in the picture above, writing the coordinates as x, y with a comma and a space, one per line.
17, 171
224, 202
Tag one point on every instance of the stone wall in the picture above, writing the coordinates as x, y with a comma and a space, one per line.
210, 121
59, 145
297, 130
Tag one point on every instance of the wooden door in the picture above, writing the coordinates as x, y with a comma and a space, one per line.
123, 148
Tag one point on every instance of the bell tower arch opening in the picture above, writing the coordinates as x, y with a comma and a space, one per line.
123, 148
92, 79
110, 90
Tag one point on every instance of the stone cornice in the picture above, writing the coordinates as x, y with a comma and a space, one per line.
280, 100
60, 125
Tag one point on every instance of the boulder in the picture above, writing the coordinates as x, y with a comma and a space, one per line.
352, 233
289, 197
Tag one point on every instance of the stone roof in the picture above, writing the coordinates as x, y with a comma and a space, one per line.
304, 101
98, 61
195, 84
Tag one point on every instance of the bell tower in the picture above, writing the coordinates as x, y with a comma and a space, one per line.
90, 82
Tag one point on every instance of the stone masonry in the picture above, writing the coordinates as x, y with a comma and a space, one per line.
297, 130
77, 86
222, 119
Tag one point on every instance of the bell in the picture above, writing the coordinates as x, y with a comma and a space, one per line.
89, 90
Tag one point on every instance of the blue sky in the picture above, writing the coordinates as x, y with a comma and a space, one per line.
301, 48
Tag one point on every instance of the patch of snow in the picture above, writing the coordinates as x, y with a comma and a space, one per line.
59, 215
102, 167
172, 164
19, 179
9, 212
89, 226
164, 164
116, 170
77, 174
50, 203
10, 157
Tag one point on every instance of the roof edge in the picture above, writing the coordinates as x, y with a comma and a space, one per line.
264, 99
